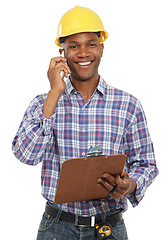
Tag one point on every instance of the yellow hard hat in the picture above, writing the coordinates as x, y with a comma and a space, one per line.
78, 20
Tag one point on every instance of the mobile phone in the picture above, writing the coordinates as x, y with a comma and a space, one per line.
63, 74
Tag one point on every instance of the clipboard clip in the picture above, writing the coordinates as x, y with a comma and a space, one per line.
94, 151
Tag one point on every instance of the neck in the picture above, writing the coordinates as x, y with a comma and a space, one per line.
87, 87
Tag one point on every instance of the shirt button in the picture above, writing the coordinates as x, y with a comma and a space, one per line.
83, 154
83, 130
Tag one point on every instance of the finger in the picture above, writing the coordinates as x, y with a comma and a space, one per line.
107, 185
56, 60
58, 68
120, 190
62, 66
117, 195
66, 70
111, 179
123, 183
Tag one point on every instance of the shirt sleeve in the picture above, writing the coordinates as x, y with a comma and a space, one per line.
34, 133
141, 164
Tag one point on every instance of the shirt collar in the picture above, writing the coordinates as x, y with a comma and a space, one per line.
101, 86
70, 89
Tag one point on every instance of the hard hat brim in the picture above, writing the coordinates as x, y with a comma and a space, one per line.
103, 36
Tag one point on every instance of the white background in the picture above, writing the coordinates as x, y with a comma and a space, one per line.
135, 60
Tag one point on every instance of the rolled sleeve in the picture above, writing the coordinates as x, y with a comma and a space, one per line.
45, 124
34, 133
141, 164
143, 180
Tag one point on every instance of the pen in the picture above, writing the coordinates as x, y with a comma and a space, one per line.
114, 188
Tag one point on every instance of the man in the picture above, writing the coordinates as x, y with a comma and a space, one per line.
84, 112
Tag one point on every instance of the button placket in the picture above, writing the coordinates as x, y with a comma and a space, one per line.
83, 132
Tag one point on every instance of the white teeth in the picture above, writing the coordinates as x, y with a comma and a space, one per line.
84, 63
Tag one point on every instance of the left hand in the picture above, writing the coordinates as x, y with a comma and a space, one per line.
125, 186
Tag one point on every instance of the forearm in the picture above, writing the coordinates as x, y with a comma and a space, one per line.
51, 103
34, 133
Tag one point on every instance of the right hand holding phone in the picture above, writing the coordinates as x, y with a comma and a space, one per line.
57, 65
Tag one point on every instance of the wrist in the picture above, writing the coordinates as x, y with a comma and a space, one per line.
55, 91
132, 187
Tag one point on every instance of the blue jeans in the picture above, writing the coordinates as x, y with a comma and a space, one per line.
50, 229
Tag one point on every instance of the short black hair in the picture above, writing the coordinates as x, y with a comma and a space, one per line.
62, 39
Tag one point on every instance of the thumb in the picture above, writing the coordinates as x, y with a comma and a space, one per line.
122, 180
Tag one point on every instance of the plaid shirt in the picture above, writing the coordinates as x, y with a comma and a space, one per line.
111, 119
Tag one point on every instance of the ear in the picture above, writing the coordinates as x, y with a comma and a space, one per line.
61, 50
101, 49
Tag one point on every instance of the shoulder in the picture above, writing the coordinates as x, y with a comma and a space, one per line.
120, 95
122, 100
39, 100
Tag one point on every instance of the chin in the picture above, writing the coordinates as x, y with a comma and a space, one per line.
83, 77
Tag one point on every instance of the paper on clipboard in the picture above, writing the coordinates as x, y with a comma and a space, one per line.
78, 177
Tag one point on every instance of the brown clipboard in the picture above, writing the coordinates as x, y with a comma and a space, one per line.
78, 177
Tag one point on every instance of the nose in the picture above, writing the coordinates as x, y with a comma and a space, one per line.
83, 52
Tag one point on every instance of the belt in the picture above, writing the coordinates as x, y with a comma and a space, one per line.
81, 221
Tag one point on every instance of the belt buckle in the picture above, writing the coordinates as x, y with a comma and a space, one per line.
92, 222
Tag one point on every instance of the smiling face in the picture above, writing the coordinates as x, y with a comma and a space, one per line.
83, 52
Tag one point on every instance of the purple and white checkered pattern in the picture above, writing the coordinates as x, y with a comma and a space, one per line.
111, 118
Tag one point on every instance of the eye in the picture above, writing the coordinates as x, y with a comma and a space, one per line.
73, 47
92, 45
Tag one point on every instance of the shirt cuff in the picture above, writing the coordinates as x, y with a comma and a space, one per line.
45, 123
137, 196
